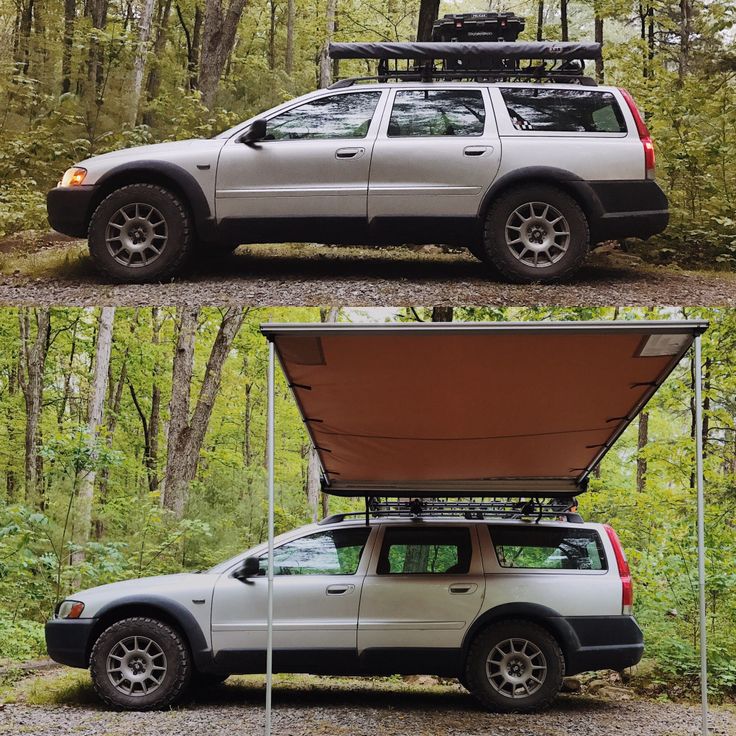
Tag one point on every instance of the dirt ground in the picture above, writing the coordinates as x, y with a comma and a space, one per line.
46, 269
339, 708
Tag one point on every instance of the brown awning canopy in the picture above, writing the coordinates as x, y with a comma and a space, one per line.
472, 408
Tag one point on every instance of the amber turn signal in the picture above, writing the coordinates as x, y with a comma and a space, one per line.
73, 177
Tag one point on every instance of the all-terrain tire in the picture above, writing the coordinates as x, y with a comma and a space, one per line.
177, 662
175, 250
501, 255
481, 686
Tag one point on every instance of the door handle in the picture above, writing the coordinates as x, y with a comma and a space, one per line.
463, 588
477, 150
340, 589
349, 152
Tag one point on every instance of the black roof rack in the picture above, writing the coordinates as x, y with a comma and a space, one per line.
481, 61
532, 509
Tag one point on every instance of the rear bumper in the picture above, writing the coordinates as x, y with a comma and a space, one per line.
603, 643
625, 209
68, 640
69, 209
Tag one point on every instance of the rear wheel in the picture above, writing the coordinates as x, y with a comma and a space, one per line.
140, 664
515, 666
141, 233
536, 233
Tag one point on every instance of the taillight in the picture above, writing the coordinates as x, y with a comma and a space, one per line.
627, 589
644, 135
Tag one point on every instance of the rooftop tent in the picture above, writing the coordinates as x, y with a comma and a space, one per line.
474, 409
468, 409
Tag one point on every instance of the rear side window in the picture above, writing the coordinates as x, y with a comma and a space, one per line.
563, 110
540, 548
421, 551
437, 113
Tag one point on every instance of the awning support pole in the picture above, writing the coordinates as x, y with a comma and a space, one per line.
697, 375
270, 464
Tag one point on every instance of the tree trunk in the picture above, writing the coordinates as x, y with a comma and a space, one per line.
97, 395
598, 22
139, 61
30, 376
11, 478
272, 35
540, 20
641, 461
290, 22
154, 419
685, 33
442, 314
218, 39
428, 12
325, 67
186, 432
154, 75
564, 26
70, 13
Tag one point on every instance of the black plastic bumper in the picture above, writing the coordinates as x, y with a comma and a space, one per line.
604, 643
69, 209
625, 209
68, 640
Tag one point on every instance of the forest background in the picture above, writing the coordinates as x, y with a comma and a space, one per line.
132, 443
81, 77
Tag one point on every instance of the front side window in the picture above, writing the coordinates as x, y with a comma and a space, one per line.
335, 552
540, 548
563, 110
437, 113
339, 116
421, 551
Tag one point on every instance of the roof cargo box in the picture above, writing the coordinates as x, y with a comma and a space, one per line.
478, 27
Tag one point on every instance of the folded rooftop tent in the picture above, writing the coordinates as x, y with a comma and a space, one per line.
472, 409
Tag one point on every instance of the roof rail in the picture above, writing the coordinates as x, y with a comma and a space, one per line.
527, 509
485, 61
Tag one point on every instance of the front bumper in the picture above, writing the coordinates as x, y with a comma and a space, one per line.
68, 640
604, 643
70, 209
626, 209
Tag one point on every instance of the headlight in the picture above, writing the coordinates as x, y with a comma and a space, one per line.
70, 609
73, 177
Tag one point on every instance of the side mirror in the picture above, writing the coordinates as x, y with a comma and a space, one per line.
250, 568
256, 132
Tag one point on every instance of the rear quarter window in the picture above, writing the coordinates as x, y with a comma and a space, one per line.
563, 110
540, 548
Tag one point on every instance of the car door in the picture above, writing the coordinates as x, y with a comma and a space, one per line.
436, 154
316, 592
424, 588
313, 163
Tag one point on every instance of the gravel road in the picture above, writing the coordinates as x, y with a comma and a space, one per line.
236, 710
313, 275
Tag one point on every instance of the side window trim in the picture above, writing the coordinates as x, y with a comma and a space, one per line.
371, 132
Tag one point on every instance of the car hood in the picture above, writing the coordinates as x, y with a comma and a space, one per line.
157, 151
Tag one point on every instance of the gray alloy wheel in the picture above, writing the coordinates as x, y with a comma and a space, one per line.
136, 666
516, 668
537, 234
136, 234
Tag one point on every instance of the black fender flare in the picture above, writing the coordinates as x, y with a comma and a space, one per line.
580, 189
163, 173
173, 611
556, 624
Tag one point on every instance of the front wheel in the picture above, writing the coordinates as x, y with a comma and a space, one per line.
141, 233
140, 664
515, 666
536, 234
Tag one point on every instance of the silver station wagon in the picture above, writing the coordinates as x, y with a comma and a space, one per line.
526, 175
508, 604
